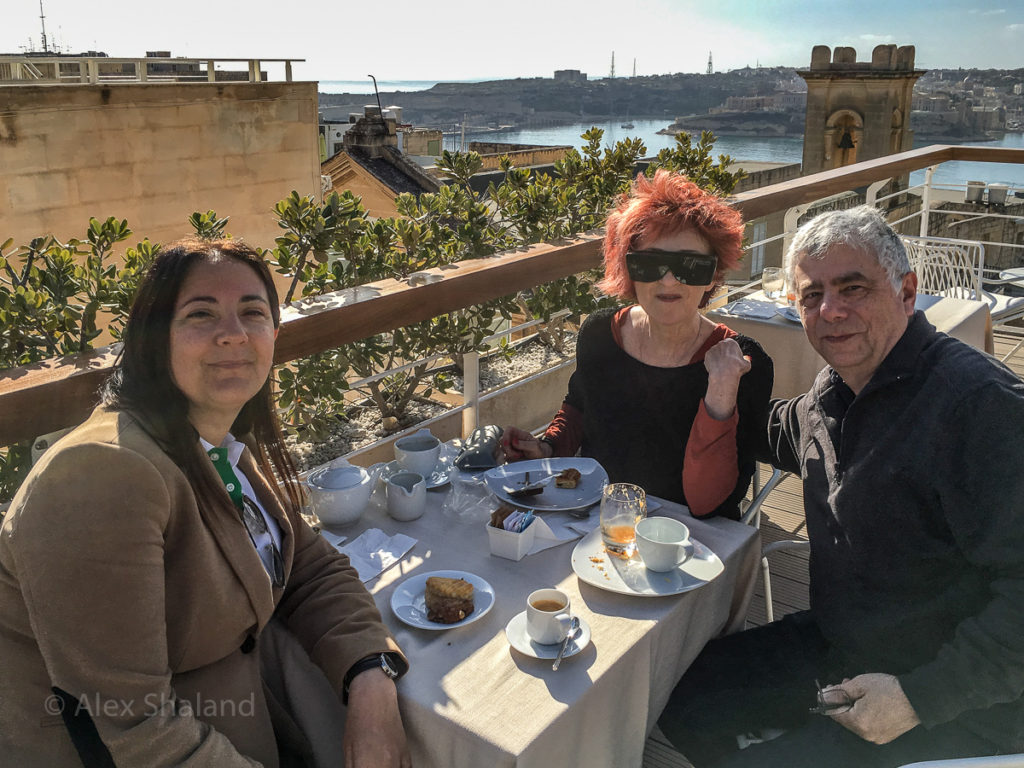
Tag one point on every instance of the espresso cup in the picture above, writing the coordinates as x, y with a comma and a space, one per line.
547, 616
663, 543
418, 452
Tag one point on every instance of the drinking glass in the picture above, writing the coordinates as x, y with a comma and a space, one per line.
773, 282
622, 505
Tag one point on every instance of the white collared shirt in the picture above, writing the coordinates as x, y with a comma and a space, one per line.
234, 450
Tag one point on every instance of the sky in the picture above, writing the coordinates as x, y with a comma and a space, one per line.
460, 40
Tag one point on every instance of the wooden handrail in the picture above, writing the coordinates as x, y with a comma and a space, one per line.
58, 393
54, 394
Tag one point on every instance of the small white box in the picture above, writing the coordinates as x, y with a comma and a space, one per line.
508, 544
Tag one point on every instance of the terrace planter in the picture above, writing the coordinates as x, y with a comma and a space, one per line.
529, 402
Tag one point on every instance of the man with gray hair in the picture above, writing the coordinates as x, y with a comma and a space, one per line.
910, 445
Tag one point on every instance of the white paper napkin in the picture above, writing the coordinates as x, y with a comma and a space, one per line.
751, 308
546, 536
373, 551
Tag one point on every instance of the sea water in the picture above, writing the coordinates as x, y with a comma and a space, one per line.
775, 149
389, 86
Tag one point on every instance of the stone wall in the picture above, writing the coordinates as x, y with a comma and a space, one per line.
153, 154
521, 155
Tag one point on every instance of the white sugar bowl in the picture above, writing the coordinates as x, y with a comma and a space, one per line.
339, 493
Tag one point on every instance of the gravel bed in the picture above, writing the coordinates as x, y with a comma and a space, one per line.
364, 424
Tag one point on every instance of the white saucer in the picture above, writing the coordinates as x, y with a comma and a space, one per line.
440, 476
596, 567
409, 604
515, 631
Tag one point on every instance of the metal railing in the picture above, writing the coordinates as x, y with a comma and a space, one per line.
37, 70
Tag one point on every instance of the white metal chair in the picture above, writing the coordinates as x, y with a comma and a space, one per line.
752, 516
949, 267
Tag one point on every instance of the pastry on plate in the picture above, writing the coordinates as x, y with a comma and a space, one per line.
448, 600
568, 478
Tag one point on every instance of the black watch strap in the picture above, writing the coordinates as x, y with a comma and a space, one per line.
388, 663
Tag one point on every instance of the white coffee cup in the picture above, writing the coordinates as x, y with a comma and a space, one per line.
418, 452
547, 616
407, 495
663, 543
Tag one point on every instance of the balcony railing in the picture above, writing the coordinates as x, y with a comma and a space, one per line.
56, 394
38, 70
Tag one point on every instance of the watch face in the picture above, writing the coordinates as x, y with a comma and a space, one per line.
386, 666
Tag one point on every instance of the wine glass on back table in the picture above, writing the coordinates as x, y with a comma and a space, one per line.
773, 281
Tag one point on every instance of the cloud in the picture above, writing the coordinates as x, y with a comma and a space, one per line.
877, 39
1015, 27
993, 12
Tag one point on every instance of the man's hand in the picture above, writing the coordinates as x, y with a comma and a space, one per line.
726, 365
374, 736
518, 444
881, 711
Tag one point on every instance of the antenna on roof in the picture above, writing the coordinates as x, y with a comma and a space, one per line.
374, 90
711, 69
612, 72
42, 19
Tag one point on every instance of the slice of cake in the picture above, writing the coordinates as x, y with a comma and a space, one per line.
568, 478
448, 600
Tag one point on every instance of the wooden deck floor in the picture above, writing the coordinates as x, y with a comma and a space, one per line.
782, 517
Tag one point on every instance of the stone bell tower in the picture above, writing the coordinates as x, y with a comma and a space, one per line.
857, 110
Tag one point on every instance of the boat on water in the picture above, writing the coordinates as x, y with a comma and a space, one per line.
627, 125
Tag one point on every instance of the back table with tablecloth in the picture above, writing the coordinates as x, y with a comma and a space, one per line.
796, 362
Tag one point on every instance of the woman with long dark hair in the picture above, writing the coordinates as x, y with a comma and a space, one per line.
162, 601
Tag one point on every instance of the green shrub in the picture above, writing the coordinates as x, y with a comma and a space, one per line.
57, 298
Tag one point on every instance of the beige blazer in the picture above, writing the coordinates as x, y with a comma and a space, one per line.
118, 589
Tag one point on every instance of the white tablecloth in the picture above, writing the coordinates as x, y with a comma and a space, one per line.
796, 362
470, 700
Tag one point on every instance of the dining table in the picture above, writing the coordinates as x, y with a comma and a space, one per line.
470, 699
1014, 276
777, 328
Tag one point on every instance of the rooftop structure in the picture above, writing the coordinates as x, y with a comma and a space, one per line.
150, 140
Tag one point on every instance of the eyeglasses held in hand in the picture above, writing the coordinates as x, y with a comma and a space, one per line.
269, 554
834, 701
689, 267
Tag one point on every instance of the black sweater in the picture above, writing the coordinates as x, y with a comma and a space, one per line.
914, 496
637, 417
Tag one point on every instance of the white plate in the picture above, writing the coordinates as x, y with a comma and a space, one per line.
630, 577
515, 631
790, 313
410, 606
440, 476
593, 479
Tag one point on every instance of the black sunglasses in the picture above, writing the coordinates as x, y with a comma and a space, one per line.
269, 554
689, 267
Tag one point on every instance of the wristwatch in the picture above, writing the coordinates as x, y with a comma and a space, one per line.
387, 663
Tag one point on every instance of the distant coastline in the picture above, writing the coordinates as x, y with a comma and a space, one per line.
384, 86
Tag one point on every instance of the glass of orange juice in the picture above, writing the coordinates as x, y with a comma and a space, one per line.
622, 505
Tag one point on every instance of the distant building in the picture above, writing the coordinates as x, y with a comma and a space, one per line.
570, 76
151, 152
371, 165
